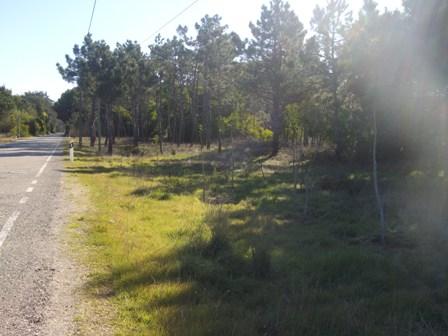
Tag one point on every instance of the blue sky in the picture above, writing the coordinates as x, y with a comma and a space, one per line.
35, 35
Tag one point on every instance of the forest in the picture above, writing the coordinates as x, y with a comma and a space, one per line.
338, 84
29, 114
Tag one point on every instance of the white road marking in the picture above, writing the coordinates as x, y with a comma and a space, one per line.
23, 200
8, 226
41, 170
11, 220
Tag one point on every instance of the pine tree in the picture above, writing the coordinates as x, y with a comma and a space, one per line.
277, 40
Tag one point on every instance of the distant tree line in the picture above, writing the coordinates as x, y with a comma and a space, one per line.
345, 83
29, 114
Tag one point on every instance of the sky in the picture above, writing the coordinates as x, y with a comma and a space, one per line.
35, 35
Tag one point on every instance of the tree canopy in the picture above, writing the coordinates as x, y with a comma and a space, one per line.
323, 84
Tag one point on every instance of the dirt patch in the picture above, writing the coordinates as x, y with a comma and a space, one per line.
4, 139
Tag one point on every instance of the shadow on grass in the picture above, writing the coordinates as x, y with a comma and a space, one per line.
270, 195
266, 268
210, 284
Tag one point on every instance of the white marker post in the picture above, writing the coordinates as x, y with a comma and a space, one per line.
72, 152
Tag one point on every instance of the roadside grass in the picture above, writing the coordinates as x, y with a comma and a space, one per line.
180, 249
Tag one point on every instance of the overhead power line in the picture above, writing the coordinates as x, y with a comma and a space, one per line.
91, 17
171, 20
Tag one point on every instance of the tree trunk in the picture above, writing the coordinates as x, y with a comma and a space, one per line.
219, 120
175, 110
92, 122
98, 108
276, 122
337, 126
276, 117
375, 180
159, 117
193, 106
219, 141
182, 118
207, 114
306, 140
232, 160
80, 130
110, 130
294, 162
135, 123
80, 120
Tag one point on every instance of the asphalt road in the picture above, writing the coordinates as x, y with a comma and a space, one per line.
30, 192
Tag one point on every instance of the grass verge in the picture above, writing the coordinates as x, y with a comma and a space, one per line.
178, 248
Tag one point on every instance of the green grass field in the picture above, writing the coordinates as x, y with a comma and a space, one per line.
179, 249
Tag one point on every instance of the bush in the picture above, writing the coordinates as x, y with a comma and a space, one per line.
6, 125
24, 131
